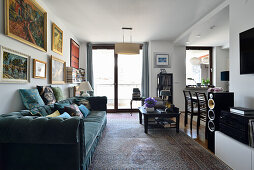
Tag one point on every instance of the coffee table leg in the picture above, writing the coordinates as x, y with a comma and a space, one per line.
177, 124
140, 117
146, 123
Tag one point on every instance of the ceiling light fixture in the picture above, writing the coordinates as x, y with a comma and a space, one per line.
127, 48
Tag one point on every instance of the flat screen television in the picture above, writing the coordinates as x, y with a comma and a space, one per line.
247, 52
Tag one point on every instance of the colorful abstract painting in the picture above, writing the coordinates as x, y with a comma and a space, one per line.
26, 21
14, 66
57, 39
74, 54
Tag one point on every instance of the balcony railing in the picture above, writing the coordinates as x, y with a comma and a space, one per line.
124, 94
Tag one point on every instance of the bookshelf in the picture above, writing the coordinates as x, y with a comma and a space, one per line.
165, 82
75, 75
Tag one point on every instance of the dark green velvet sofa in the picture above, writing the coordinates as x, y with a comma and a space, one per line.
41, 143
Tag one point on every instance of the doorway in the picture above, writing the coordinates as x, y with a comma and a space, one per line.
199, 66
115, 76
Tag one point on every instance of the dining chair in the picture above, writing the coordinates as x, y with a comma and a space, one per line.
190, 108
202, 110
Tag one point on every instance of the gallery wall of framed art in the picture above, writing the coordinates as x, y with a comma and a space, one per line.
24, 44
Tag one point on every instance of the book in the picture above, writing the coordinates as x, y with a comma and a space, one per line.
242, 110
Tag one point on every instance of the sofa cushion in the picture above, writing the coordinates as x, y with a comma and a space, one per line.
64, 115
83, 102
58, 93
55, 114
42, 110
96, 116
84, 110
31, 98
73, 110
47, 94
91, 131
60, 106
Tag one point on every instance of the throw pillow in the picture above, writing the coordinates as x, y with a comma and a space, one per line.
31, 98
84, 110
58, 93
84, 102
55, 114
60, 106
73, 110
47, 94
64, 115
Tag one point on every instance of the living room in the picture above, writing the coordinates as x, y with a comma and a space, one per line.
109, 132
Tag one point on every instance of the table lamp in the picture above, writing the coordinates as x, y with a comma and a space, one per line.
84, 87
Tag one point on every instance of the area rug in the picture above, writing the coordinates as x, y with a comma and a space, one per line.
124, 145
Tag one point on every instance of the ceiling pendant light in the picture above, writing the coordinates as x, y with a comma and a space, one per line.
127, 48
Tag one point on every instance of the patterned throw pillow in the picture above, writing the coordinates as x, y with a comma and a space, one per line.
31, 98
47, 94
73, 110
84, 102
58, 93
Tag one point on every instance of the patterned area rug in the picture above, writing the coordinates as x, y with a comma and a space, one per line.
124, 145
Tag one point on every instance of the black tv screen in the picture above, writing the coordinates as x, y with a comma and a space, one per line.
247, 52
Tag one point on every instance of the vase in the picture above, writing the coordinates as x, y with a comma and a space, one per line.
150, 109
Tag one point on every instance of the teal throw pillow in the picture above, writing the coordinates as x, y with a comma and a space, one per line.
84, 110
58, 93
64, 115
31, 98
60, 107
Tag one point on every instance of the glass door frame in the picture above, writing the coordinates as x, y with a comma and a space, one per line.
210, 49
112, 47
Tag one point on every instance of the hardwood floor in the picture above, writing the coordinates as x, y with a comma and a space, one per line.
200, 138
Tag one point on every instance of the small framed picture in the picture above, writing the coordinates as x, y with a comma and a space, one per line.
39, 69
57, 39
58, 71
162, 60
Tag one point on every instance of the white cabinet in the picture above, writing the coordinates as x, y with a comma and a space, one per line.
235, 154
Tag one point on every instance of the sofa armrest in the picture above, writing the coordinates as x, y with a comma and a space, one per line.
40, 130
98, 103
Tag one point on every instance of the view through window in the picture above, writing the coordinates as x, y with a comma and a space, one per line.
197, 67
129, 77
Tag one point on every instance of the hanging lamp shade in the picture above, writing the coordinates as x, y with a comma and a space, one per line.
127, 48
195, 61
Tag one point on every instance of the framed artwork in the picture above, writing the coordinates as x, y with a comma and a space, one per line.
74, 54
14, 66
58, 71
39, 69
26, 21
162, 60
57, 39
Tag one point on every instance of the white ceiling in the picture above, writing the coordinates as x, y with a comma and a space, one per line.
213, 32
102, 20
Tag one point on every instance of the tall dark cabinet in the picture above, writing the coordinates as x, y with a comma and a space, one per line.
165, 82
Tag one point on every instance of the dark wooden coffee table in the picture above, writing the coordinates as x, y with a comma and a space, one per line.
147, 115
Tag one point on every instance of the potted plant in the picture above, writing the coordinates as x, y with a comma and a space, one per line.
205, 82
149, 104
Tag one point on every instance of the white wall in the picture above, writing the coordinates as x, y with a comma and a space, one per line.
177, 55
220, 63
241, 19
9, 97
83, 56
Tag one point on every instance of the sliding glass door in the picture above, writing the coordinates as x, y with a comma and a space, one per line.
115, 76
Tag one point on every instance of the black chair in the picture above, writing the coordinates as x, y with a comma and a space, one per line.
190, 108
202, 110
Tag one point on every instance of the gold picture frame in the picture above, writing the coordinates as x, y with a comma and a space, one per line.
14, 66
39, 69
57, 71
57, 39
27, 23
